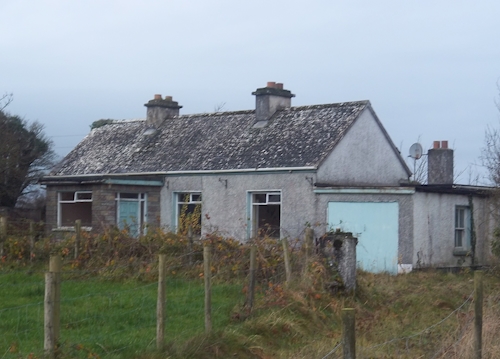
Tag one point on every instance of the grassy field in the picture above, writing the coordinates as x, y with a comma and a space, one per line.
420, 315
101, 318
108, 306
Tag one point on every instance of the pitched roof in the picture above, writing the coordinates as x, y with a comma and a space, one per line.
294, 137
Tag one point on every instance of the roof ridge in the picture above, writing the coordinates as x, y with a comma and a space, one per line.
244, 112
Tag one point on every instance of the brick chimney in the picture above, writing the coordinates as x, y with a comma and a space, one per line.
269, 99
440, 164
160, 109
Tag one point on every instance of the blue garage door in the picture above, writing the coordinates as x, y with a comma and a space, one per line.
376, 227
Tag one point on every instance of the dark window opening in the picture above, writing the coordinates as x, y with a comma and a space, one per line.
266, 214
189, 213
74, 206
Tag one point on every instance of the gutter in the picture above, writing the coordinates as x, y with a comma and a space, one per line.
381, 190
177, 173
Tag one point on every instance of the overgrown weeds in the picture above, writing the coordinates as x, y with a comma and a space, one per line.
421, 314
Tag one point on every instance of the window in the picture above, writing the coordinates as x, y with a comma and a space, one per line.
266, 214
188, 212
72, 206
462, 230
131, 212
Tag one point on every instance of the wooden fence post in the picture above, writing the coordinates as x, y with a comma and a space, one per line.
253, 270
348, 333
55, 265
478, 314
309, 239
3, 234
49, 342
207, 274
286, 258
160, 305
78, 237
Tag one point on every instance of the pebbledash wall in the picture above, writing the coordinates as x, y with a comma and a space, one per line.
104, 208
434, 219
226, 204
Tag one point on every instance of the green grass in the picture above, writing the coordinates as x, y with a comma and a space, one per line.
396, 317
105, 318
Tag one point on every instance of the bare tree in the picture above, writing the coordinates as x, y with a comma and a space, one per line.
490, 153
420, 169
418, 166
219, 107
5, 100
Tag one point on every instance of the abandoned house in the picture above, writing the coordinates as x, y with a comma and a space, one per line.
275, 169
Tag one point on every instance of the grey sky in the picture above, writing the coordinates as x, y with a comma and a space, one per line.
429, 68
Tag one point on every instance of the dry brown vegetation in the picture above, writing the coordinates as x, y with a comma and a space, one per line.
418, 315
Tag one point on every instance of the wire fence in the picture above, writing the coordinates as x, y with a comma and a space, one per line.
394, 351
100, 319
104, 319
109, 293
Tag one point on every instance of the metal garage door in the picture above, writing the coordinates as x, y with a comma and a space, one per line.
375, 225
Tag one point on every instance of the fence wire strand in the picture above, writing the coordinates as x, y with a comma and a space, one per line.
422, 331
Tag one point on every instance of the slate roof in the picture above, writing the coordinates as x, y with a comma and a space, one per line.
294, 137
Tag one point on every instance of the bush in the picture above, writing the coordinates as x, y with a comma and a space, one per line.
495, 242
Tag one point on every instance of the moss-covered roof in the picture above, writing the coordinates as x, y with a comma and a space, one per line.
294, 137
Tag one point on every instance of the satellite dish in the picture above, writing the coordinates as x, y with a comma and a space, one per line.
416, 151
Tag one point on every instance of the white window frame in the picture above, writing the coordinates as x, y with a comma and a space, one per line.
177, 202
462, 230
78, 197
252, 226
142, 213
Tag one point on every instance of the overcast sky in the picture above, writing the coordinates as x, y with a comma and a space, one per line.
429, 68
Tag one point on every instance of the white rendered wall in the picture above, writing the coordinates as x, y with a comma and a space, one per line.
226, 209
363, 157
434, 230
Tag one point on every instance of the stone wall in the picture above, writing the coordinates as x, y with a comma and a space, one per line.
104, 203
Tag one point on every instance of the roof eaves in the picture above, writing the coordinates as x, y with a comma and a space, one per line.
456, 189
179, 173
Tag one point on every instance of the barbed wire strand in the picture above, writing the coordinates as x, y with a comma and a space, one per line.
460, 338
422, 331
333, 350
410, 336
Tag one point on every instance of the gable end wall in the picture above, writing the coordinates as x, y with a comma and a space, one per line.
364, 157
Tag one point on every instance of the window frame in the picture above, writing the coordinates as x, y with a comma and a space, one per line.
142, 212
462, 230
177, 202
252, 225
75, 200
